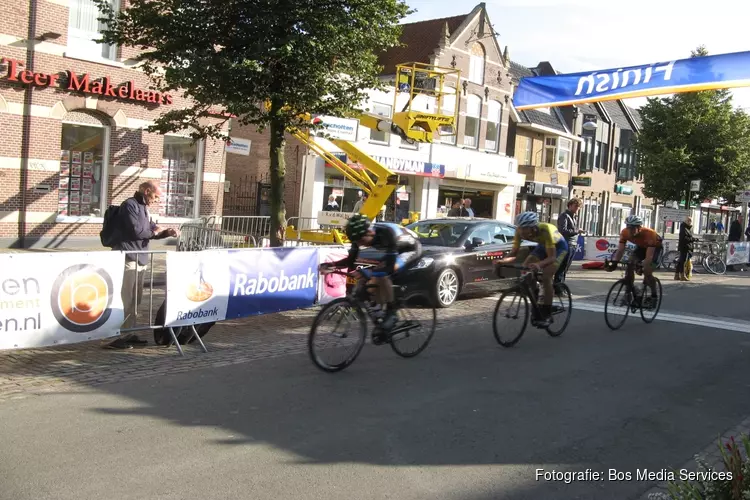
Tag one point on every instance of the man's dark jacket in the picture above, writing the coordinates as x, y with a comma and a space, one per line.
685, 244
136, 229
567, 226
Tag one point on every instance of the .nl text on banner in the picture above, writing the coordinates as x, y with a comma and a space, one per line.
271, 280
669, 77
197, 287
331, 286
59, 298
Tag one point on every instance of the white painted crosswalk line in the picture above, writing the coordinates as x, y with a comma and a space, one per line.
735, 325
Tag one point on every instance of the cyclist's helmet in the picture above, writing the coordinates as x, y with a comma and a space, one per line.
357, 227
528, 219
633, 220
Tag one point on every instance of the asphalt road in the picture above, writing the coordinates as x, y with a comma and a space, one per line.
465, 420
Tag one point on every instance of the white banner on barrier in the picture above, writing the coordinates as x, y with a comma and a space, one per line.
738, 253
197, 287
331, 286
59, 298
600, 248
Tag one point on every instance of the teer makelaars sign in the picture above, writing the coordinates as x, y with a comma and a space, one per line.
83, 83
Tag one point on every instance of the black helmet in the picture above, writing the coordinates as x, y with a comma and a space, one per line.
357, 227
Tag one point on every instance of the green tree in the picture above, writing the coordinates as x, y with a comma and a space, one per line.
690, 136
265, 62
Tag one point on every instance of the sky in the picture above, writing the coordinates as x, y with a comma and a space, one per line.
587, 35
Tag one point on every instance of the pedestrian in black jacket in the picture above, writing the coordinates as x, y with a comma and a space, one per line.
136, 232
685, 247
566, 224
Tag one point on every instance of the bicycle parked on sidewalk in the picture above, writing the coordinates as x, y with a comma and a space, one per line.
624, 297
348, 316
513, 304
709, 254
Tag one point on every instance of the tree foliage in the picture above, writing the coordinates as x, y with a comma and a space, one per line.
265, 62
691, 136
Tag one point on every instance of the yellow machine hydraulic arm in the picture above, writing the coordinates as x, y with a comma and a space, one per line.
412, 125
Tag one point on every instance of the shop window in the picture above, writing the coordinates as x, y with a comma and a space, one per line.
472, 123
84, 28
377, 135
564, 147
180, 177
83, 168
527, 150
494, 118
550, 150
476, 64
448, 108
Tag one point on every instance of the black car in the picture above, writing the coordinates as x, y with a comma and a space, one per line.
457, 253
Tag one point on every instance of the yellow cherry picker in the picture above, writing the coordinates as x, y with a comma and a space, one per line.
412, 125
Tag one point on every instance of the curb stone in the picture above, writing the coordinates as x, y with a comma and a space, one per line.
710, 454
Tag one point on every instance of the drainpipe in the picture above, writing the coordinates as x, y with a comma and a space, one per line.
26, 127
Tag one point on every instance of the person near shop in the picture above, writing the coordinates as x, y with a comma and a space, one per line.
455, 210
685, 247
720, 227
360, 202
136, 229
332, 205
466, 210
566, 224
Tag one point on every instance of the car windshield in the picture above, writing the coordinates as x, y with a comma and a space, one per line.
445, 234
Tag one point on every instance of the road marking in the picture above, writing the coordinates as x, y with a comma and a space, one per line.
734, 325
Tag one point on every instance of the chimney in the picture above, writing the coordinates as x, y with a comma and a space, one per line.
506, 57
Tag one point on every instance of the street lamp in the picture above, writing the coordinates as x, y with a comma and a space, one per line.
589, 126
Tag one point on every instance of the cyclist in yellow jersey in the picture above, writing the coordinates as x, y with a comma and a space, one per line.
550, 253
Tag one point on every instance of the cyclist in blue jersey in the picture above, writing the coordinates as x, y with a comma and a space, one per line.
401, 248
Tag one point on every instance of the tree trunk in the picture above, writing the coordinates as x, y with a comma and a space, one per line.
278, 171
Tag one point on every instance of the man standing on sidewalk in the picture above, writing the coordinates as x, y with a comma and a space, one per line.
136, 232
567, 226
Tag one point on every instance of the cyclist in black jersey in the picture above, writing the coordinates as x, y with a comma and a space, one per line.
401, 248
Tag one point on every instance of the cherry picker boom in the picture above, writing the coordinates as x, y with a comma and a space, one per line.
412, 125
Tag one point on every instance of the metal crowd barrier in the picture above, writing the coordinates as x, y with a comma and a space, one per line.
196, 237
145, 276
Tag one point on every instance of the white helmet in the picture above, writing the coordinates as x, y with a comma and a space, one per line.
633, 220
528, 219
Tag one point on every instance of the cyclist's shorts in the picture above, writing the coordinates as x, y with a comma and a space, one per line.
640, 254
403, 261
561, 252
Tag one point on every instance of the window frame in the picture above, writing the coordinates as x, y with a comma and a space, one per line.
528, 151
498, 124
104, 189
75, 48
450, 139
477, 65
547, 147
559, 149
200, 172
478, 119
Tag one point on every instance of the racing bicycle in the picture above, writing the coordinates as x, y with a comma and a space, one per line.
625, 297
347, 316
513, 305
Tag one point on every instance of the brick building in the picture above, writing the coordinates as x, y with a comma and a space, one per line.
73, 115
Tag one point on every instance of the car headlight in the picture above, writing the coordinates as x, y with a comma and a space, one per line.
424, 262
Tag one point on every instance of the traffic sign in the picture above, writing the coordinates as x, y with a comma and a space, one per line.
743, 196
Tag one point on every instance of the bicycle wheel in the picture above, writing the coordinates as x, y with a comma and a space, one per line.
414, 330
561, 318
618, 304
340, 312
655, 308
714, 264
669, 259
511, 306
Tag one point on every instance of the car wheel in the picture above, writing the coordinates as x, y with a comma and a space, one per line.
446, 288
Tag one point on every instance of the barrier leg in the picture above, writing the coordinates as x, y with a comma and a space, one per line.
175, 341
197, 337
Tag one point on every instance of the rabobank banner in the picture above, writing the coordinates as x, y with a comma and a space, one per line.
197, 287
669, 77
270, 280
